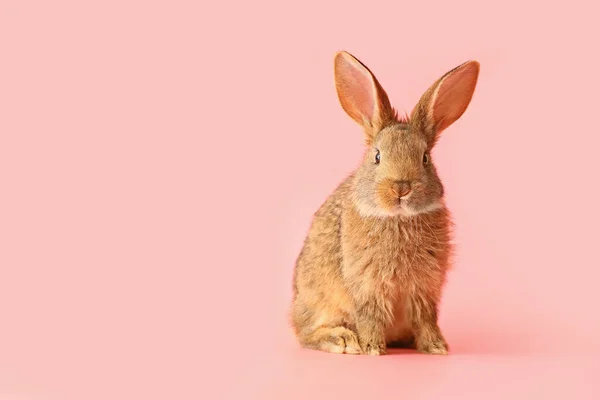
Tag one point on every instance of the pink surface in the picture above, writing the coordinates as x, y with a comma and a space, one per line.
160, 163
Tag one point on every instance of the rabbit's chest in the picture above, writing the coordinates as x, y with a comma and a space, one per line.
392, 256
398, 252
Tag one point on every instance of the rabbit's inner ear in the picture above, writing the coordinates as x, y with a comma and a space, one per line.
356, 91
446, 100
360, 94
454, 94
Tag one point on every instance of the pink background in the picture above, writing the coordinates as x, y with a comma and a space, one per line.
160, 163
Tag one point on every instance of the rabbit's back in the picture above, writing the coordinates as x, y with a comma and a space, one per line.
319, 290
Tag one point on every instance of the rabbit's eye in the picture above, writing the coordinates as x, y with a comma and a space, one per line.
377, 157
425, 159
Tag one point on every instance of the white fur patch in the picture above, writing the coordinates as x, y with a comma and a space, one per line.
402, 211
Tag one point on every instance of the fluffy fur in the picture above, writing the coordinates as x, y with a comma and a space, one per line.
372, 269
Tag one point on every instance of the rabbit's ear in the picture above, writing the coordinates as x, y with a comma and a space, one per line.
361, 95
446, 100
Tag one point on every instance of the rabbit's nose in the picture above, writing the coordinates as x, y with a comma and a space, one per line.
401, 188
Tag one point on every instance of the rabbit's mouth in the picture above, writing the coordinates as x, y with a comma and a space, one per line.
387, 207
404, 208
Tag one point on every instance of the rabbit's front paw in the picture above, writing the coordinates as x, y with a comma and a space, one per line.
345, 341
374, 348
436, 346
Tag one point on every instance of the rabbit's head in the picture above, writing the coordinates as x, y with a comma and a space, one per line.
397, 175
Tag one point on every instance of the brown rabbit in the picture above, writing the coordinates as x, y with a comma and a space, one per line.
372, 268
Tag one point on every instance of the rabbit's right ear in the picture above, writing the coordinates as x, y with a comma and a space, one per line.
361, 95
446, 100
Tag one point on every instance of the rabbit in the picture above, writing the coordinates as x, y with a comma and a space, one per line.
373, 265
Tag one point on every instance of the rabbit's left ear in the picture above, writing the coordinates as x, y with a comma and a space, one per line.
361, 95
446, 100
